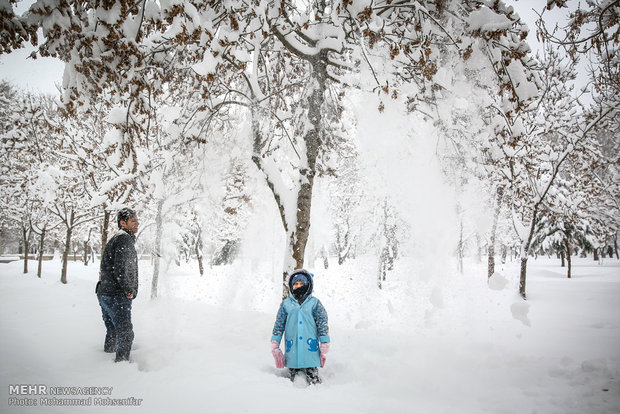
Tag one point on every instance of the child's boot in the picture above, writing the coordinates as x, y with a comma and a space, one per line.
312, 376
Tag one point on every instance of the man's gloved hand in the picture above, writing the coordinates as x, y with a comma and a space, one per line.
324, 348
277, 354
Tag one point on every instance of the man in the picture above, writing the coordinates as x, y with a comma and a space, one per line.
119, 285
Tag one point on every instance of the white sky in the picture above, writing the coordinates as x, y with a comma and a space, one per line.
45, 74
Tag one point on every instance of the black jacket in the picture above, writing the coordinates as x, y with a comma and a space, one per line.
119, 266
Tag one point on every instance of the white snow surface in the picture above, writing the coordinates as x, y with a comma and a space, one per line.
413, 347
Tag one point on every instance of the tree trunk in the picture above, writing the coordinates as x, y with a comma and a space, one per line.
460, 248
158, 232
312, 140
87, 248
568, 256
523, 277
616, 247
342, 243
562, 255
85, 257
41, 249
199, 255
299, 231
325, 258
65, 254
201, 268
104, 230
26, 236
525, 251
595, 250
104, 233
490, 264
491, 251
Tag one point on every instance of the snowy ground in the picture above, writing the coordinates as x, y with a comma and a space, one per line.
440, 344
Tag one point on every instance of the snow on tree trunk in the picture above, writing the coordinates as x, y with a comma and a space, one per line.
41, 249
158, 233
65, 254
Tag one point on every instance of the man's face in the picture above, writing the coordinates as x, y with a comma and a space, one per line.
131, 224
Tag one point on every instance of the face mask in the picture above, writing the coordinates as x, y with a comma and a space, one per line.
300, 292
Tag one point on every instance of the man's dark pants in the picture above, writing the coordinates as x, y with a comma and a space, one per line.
116, 312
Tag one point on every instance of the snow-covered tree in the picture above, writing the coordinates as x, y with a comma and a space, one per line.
285, 63
110, 181
561, 132
24, 151
591, 33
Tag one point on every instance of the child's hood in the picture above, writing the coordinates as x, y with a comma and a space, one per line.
309, 278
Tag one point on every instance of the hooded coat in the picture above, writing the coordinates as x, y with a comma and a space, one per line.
303, 324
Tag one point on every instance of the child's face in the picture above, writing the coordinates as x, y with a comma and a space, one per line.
298, 284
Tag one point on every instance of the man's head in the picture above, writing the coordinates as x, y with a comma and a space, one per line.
127, 219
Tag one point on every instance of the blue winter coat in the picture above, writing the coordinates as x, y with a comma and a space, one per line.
304, 327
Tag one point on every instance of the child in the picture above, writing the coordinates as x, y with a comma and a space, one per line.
303, 320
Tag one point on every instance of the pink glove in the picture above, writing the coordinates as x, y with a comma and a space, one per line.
277, 354
324, 349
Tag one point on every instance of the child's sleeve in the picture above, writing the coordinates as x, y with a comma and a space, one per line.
320, 318
278, 327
